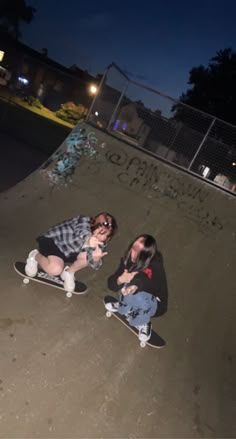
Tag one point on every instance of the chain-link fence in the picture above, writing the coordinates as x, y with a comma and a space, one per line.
176, 132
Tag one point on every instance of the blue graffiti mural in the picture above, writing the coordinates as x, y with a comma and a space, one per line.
78, 145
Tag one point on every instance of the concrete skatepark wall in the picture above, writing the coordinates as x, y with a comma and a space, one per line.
194, 224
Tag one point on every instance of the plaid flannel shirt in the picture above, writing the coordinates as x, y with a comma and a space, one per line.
70, 235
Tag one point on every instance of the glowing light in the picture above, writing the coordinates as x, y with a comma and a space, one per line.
206, 172
234, 164
116, 125
23, 80
96, 113
1, 55
93, 89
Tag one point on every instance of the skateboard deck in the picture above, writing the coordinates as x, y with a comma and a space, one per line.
155, 340
52, 281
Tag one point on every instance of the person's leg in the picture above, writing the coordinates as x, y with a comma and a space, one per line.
53, 265
79, 263
68, 274
126, 304
122, 305
134, 306
142, 306
48, 256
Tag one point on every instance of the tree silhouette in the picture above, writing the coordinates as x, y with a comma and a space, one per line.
12, 13
213, 89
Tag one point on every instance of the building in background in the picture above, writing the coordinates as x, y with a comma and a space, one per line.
26, 69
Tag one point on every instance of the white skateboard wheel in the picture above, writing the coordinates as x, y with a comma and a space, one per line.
142, 344
25, 280
68, 294
108, 314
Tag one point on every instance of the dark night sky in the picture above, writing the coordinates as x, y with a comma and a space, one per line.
158, 41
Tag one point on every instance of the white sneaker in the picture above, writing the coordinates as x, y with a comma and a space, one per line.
31, 267
145, 332
69, 280
112, 306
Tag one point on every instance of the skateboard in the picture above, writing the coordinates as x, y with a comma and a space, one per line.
52, 281
155, 341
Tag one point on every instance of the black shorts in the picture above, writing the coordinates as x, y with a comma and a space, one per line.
47, 247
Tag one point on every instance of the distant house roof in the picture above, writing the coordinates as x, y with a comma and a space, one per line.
108, 93
7, 42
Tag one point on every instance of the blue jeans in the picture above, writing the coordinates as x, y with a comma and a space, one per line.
139, 307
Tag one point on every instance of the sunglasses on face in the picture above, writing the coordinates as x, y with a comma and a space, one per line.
105, 224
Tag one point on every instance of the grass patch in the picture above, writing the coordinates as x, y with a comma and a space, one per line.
43, 112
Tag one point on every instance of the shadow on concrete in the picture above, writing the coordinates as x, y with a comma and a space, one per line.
18, 160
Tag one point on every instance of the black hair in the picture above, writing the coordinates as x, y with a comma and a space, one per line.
146, 254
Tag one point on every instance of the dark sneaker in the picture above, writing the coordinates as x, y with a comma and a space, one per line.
145, 332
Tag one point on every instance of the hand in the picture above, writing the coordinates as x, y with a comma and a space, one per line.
126, 277
98, 254
129, 290
92, 241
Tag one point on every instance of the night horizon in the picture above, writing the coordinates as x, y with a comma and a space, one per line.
91, 38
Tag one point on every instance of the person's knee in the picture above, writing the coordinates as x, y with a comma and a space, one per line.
55, 268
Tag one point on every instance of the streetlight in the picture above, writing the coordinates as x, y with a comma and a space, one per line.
93, 89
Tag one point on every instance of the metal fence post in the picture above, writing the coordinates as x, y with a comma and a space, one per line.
201, 145
96, 95
173, 141
117, 105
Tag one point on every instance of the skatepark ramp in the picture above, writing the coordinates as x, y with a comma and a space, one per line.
66, 370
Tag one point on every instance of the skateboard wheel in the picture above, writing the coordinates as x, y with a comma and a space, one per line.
69, 294
142, 344
25, 280
108, 314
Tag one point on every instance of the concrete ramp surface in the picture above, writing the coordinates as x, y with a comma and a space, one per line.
69, 372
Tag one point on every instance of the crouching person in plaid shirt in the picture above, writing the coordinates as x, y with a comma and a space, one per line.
81, 241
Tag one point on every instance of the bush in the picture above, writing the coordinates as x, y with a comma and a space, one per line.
33, 102
72, 113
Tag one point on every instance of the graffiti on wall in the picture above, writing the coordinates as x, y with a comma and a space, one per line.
60, 168
156, 182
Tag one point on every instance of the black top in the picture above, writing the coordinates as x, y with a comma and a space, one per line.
152, 280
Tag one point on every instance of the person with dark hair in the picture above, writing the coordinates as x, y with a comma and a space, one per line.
81, 241
141, 282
